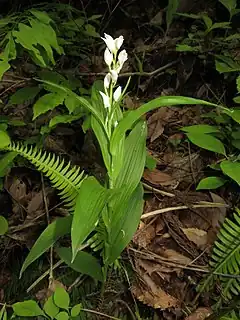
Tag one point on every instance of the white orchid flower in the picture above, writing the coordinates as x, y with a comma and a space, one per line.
118, 42
117, 94
115, 124
106, 100
108, 57
122, 57
110, 42
107, 80
114, 75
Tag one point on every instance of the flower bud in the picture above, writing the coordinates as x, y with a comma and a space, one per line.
107, 80
117, 94
114, 75
105, 98
110, 42
118, 42
108, 57
122, 57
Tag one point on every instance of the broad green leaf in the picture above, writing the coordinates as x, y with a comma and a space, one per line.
71, 103
208, 21
50, 308
59, 228
61, 298
151, 162
4, 140
41, 16
221, 25
231, 169
208, 142
6, 162
47, 102
171, 10
90, 30
103, 142
9, 52
229, 4
63, 118
90, 202
4, 66
185, 48
226, 64
211, 183
24, 94
28, 308
3, 225
52, 77
125, 223
132, 116
200, 129
5, 315
234, 114
236, 143
84, 263
76, 310
62, 316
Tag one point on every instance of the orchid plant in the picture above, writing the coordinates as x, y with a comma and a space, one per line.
111, 211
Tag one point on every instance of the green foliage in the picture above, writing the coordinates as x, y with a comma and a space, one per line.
211, 183
3, 225
171, 10
225, 261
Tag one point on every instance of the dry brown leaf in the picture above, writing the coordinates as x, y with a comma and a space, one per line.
153, 295
176, 256
144, 235
18, 190
219, 213
35, 203
157, 121
158, 177
198, 236
200, 314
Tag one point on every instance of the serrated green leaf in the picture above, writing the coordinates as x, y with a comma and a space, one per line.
48, 237
4, 66
62, 316
24, 94
64, 118
28, 308
9, 52
41, 16
3, 226
4, 139
50, 308
61, 298
84, 262
231, 169
200, 129
6, 162
47, 102
90, 202
211, 183
76, 310
207, 142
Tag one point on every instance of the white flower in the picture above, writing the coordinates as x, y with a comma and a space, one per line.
117, 94
106, 100
118, 42
115, 124
110, 42
107, 80
114, 75
108, 57
122, 57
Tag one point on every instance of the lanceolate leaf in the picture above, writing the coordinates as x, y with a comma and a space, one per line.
91, 200
211, 183
208, 142
47, 102
231, 169
84, 263
124, 225
49, 236
132, 116
200, 129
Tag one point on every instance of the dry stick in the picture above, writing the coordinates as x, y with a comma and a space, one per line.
202, 205
129, 74
48, 222
163, 193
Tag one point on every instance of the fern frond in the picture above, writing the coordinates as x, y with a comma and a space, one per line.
64, 178
226, 259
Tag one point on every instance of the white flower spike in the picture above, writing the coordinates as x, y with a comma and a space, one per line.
108, 57
122, 57
117, 94
106, 101
114, 75
107, 80
110, 42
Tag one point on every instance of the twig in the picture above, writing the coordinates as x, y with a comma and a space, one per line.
163, 193
100, 314
202, 205
48, 222
129, 74
79, 280
15, 84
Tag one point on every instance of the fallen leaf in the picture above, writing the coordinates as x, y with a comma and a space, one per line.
158, 177
198, 236
18, 190
176, 257
200, 314
153, 295
219, 213
144, 235
35, 203
157, 121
